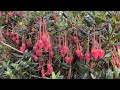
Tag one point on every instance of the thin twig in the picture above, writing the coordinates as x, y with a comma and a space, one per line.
11, 47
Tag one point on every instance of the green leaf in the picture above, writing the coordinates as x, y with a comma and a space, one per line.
113, 19
116, 71
88, 23
64, 64
119, 52
98, 20
110, 28
107, 55
93, 77
116, 37
53, 75
109, 74
116, 44
57, 75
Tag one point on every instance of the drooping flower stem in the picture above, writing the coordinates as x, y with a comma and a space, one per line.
88, 41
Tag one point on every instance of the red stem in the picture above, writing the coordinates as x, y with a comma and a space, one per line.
88, 41
40, 29
63, 40
99, 42
94, 38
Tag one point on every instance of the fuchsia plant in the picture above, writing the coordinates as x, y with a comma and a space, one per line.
70, 49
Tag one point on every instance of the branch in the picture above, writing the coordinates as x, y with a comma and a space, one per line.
11, 47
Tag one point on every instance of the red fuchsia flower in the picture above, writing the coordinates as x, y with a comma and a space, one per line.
22, 49
51, 53
35, 48
6, 21
1, 36
44, 38
47, 41
0, 14
92, 65
78, 51
17, 37
69, 59
46, 48
39, 68
81, 57
35, 58
43, 72
59, 47
17, 42
62, 53
50, 46
74, 39
118, 47
28, 43
10, 14
40, 44
87, 54
39, 53
12, 33
24, 45
14, 39
41, 63
65, 49
7, 33
54, 16
22, 14
49, 69
94, 51
36, 18
101, 52
87, 57
82, 43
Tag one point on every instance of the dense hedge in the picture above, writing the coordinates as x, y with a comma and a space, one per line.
59, 45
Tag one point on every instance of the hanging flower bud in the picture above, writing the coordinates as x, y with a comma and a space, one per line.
49, 69
6, 21
40, 44
51, 54
35, 58
74, 38
7, 33
59, 47
13, 38
0, 14
46, 48
28, 43
65, 49
17, 42
43, 72
39, 53
87, 57
94, 53
22, 49
10, 14
101, 53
